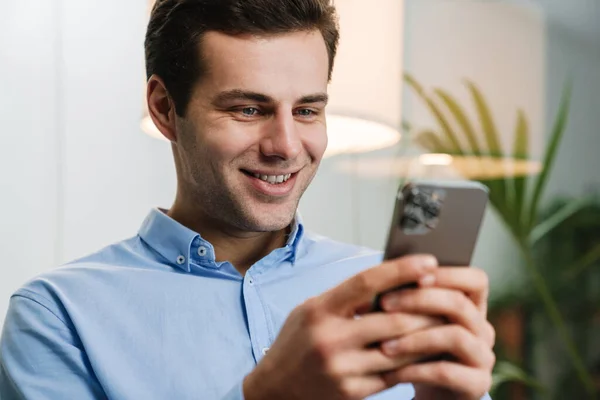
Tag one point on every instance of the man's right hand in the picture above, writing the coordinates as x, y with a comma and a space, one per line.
323, 352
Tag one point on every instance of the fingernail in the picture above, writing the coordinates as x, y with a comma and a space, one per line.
429, 262
427, 280
390, 347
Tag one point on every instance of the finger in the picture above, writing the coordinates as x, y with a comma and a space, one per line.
361, 362
360, 289
360, 387
472, 382
474, 282
449, 339
377, 327
447, 303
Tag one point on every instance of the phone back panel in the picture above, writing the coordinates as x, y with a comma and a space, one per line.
449, 232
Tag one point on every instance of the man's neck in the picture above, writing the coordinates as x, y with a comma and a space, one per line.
242, 249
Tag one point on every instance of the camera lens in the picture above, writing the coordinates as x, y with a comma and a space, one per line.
418, 199
410, 220
431, 209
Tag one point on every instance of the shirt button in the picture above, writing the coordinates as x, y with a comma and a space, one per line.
202, 251
250, 281
265, 351
180, 260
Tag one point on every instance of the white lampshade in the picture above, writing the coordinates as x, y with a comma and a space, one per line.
366, 80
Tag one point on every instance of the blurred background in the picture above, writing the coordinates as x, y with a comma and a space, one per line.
504, 92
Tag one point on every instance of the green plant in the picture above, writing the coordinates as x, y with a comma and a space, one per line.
516, 199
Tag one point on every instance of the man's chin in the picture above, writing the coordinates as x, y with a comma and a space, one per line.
271, 220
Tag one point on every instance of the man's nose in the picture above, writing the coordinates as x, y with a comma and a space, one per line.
281, 138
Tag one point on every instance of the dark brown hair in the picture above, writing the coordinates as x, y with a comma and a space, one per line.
176, 28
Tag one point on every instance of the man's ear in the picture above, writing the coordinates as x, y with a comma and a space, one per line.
161, 108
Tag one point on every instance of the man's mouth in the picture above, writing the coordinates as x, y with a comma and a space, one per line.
272, 179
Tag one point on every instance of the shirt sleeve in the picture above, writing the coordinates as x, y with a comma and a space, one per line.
41, 357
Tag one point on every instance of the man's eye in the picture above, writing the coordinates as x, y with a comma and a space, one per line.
249, 111
305, 112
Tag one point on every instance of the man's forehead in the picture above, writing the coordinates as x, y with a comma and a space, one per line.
288, 66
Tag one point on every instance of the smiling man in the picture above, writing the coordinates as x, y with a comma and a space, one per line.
226, 295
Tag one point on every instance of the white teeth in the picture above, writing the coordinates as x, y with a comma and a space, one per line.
273, 179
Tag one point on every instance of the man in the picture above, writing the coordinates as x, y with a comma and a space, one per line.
226, 295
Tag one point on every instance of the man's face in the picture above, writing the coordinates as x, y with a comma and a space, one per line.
255, 130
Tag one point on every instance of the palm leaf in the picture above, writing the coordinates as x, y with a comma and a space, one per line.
430, 141
505, 371
487, 123
499, 185
556, 219
461, 118
520, 150
453, 146
555, 139
521, 146
587, 260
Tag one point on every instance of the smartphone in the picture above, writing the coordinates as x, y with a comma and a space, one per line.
438, 218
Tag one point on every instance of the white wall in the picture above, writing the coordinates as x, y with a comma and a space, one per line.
76, 171
112, 172
29, 150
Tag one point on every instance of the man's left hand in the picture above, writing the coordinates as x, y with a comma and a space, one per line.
459, 295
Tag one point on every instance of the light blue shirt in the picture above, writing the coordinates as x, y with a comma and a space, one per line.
156, 317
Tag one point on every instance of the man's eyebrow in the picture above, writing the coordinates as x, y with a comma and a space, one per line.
238, 94
314, 98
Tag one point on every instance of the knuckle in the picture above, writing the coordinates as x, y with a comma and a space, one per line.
399, 322
484, 279
492, 360
460, 337
444, 373
333, 368
410, 264
491, 334
323, 346
311, 310
361, 282
348, 391
458, 301
486, 383
405, 323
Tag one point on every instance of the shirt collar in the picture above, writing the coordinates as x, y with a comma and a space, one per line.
295, 237
175, 242
168, 237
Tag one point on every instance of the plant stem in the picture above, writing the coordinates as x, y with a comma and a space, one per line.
555, 316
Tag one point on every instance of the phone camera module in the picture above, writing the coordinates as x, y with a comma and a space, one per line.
421, 211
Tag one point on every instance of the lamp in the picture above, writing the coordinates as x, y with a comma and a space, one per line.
451, 41
365, 91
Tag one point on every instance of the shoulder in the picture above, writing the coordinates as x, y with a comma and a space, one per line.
89, 274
